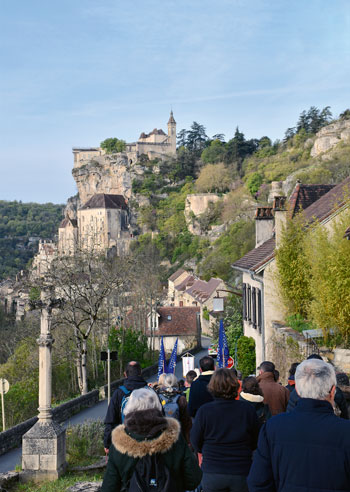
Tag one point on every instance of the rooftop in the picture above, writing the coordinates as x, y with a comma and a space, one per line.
178, 320
102, 200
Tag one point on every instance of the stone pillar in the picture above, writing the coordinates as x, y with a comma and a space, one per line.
44, 445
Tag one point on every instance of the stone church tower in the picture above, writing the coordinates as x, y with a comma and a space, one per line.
172, 133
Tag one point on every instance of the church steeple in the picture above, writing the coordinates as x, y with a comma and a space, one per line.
172, 133
171, 119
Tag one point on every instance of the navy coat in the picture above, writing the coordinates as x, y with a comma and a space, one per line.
199, 394
306, 450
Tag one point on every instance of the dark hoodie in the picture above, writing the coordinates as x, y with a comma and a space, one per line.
113, 417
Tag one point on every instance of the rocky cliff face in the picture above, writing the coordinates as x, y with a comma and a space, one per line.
106, 174
331, 135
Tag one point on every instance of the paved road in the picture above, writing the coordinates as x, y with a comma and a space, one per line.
9, 460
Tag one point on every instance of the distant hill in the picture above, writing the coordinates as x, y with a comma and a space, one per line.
21, 227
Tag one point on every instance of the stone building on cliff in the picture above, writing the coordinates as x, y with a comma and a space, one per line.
157, 143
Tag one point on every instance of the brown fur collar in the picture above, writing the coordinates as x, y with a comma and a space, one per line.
125, 444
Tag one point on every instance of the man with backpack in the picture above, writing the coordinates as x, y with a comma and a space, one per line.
114, 416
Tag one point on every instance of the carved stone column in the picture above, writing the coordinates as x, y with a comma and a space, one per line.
44, 445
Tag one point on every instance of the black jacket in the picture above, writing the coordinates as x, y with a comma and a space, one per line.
226, 432
199, 393
113, 417
339, 399
307, 450
262, 410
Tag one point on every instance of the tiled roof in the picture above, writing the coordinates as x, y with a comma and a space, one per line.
305, 195
329, 203
183, 320
66, 221
319, 210
257, 257
176, 274
102, 200
187, 282
202, 290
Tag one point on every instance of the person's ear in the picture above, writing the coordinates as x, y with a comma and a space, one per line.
332, 392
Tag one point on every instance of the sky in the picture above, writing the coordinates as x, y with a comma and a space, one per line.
74, 72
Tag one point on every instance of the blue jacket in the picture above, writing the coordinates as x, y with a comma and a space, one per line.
226, 432
306, 450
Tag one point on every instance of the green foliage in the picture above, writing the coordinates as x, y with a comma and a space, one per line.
206, 313
113, 145
214, 178
254, 182
214, 153
328, 254
293, 268
61, 485
19, 222
34, 293
298, 323
246, 355
130, 345
85, 443
237, 240
212, 216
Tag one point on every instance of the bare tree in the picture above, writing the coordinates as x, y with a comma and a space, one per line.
85, 282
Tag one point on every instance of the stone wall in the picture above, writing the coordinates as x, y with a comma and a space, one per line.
12, 437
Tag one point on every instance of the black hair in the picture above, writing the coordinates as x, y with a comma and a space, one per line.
267, 366
190, 376
207, 363
293, 368
133, 369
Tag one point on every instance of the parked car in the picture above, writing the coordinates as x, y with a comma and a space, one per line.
213, 350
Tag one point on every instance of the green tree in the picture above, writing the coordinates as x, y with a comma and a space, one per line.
294, 268
254, 182
213, 178
214, 153
113, 145
246, 355
196, 137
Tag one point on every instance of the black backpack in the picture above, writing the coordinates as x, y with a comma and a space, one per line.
151, 475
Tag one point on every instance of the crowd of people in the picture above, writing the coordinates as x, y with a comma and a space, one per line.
217, 432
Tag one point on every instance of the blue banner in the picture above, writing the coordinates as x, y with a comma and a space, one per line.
162, 366
172, 361
223, 351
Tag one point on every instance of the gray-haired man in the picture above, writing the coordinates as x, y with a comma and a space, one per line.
309, 448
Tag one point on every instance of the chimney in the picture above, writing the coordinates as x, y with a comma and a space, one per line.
280, 213
263, 225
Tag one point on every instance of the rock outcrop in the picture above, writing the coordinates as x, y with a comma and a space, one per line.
197, 204
331, 135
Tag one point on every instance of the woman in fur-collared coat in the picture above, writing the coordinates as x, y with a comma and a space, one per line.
147, 432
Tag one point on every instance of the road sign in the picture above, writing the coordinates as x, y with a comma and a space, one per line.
230, 363
4, 386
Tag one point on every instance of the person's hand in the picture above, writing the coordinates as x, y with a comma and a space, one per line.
106, 450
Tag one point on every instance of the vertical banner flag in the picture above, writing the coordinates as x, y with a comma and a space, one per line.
161, 361
172, 361
223, 352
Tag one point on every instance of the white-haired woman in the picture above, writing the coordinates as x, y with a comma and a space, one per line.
148, 437
171, 398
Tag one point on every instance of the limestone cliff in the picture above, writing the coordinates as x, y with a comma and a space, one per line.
331, 135
106, 174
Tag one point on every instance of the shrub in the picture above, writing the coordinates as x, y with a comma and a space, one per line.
246, 355
85, 442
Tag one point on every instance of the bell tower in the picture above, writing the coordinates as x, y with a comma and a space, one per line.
172, 133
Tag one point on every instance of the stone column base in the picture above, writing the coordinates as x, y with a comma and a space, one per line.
43, 452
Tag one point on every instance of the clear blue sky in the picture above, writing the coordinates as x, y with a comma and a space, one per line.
74, 72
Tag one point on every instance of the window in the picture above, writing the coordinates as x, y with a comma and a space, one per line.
254, 307
249, 313
244, 293
169, 317
259, 311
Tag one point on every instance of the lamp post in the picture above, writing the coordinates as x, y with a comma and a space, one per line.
44, 445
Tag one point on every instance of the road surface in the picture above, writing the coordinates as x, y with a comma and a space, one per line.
9, 460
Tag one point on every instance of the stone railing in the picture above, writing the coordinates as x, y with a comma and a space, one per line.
12, 437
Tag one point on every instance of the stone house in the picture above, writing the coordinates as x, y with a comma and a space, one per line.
262, 305
185, 289
103, 223
171, 323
